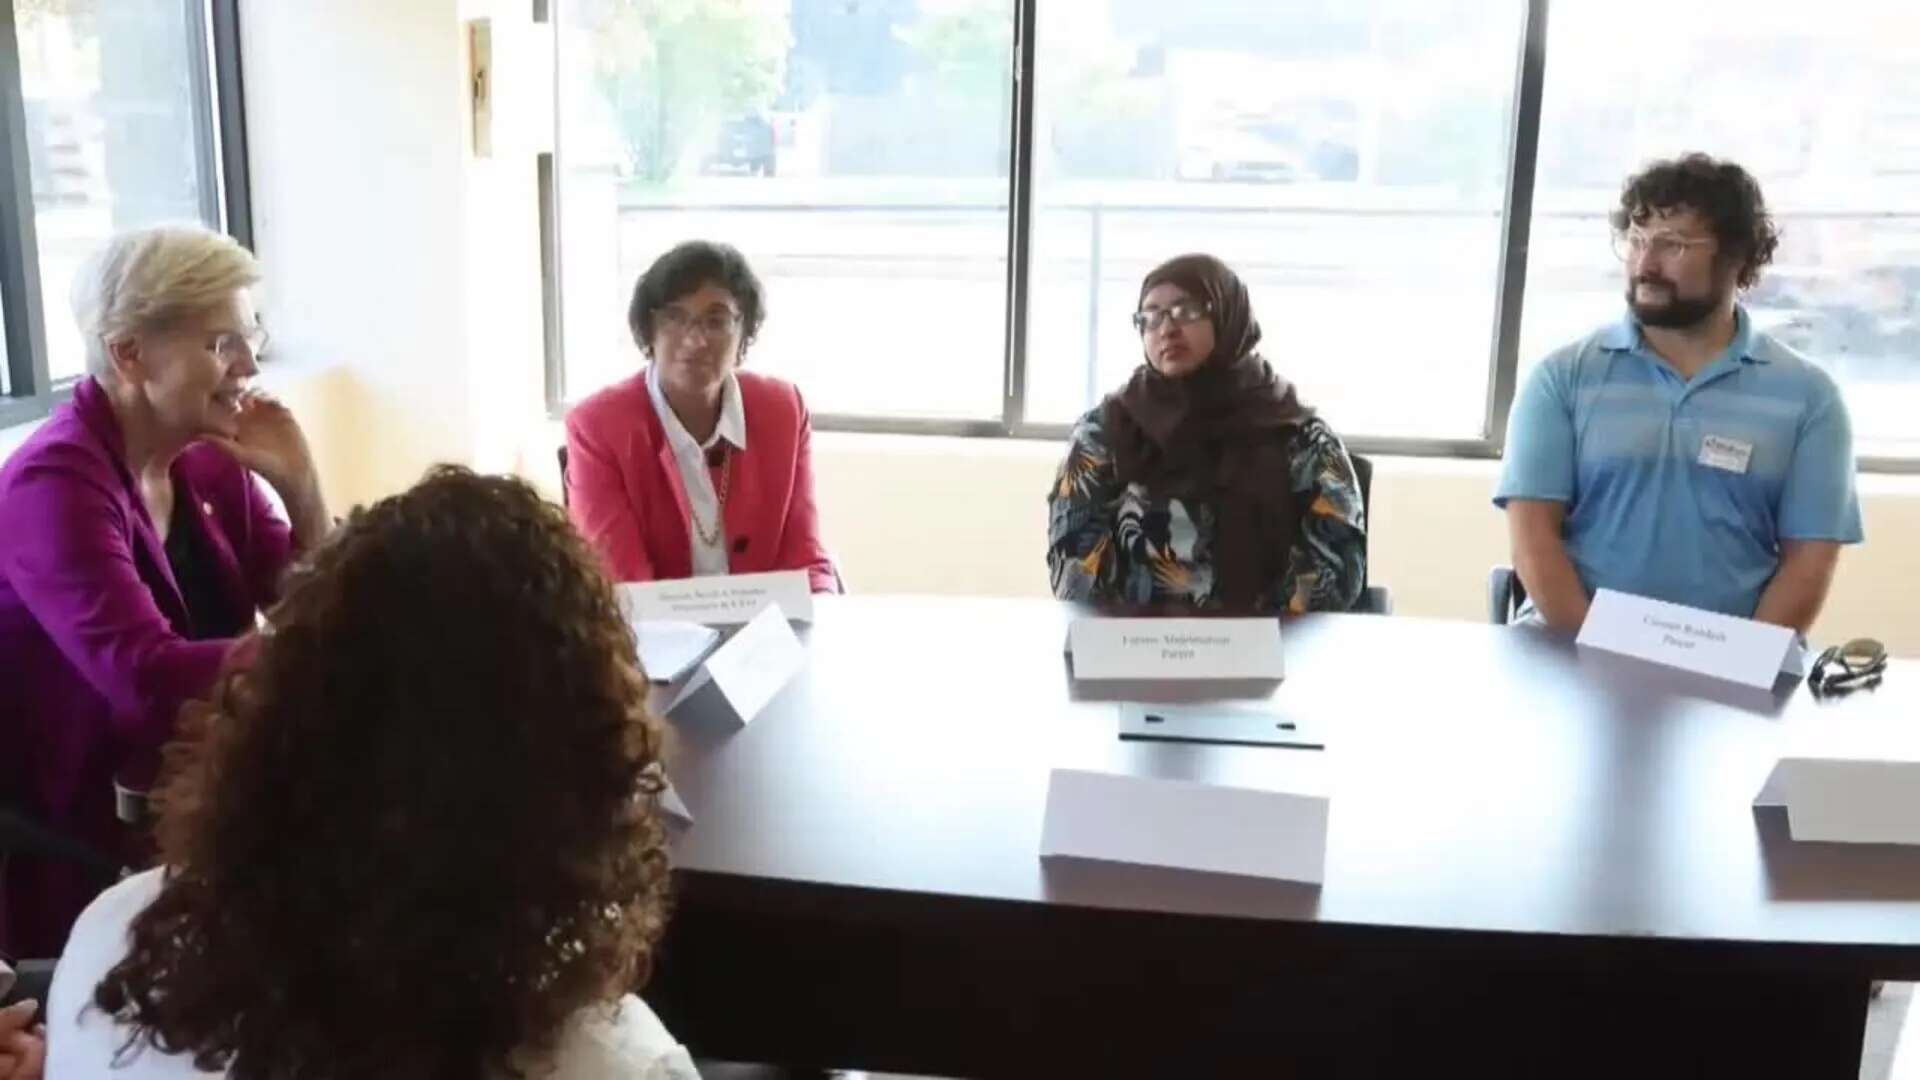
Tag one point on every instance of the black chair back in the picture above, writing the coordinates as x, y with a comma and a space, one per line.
1374, 599
1363, 472
22, 835
1505, 595
31, 981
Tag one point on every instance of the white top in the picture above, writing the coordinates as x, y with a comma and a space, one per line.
695, 480
620, 1040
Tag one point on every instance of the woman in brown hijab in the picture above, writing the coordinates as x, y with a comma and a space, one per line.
1204, 483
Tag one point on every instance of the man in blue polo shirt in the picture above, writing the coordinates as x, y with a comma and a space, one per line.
1681, 453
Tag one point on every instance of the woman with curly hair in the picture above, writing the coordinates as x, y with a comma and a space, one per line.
414, 834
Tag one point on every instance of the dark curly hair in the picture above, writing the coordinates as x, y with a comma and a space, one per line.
1723, 193
417, 830
684, 270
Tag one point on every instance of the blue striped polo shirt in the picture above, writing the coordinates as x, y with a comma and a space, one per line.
1642, 459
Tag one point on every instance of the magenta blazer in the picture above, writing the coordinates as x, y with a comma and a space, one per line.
94, 658
626, 496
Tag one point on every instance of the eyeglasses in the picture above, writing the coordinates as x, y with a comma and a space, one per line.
1636, 241
715, 323
1860, 662
234, 347
1183, 312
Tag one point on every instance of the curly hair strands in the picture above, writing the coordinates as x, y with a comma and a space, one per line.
416, 833
1721, 192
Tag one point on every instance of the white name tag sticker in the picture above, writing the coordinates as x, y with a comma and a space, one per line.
1176, 648
1720, 452
1703, 642
720, 601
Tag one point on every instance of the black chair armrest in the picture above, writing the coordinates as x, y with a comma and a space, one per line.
32, 979
1375, 600
1503, 594
20, 834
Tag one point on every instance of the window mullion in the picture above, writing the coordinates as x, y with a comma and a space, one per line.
229, 121
1019, 219
19, 263
1517, 221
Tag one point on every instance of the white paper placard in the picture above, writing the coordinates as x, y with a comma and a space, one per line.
743, 675
1852, 802
1797, 661
672, 805
1852, 781
670, 648
1193, 826
1176, 648
722, 600
1702, 642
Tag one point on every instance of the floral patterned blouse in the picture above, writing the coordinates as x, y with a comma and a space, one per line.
1114, 543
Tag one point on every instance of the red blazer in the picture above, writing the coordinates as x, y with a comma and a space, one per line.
626, 497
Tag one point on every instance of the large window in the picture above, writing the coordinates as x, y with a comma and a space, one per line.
1348, 159
952, 202
111, 104
1822, 106
856, 152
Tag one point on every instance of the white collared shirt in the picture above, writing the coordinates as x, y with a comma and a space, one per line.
695, 479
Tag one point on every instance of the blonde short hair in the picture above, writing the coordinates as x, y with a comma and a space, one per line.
144, 279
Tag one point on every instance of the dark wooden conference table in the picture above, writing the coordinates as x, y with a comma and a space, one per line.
1542, 861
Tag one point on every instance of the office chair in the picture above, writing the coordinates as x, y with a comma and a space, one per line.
1505, 595
32, 980
22, 835
1373, 599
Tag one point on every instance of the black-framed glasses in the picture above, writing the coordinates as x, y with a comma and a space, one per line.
716, 322
1860, 662
1183, 312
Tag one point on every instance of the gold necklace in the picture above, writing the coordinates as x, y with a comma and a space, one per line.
710, 537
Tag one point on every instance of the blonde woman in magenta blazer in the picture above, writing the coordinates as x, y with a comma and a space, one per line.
692, 467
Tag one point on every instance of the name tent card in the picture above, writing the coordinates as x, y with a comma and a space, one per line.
672, 807
669, 650
722, 600
1176, 648
744, 674
1849, 779
1256, 812
1702, 642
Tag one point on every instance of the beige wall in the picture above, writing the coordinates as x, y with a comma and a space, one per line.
911, 514
952, 516
403, 271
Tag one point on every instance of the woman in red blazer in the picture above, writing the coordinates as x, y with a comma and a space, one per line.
692, 467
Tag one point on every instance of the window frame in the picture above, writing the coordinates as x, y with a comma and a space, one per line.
1523, 146
31, 391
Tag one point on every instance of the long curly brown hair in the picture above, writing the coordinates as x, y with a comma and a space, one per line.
418, 829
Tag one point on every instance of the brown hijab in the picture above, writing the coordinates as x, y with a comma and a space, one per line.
1217, 436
